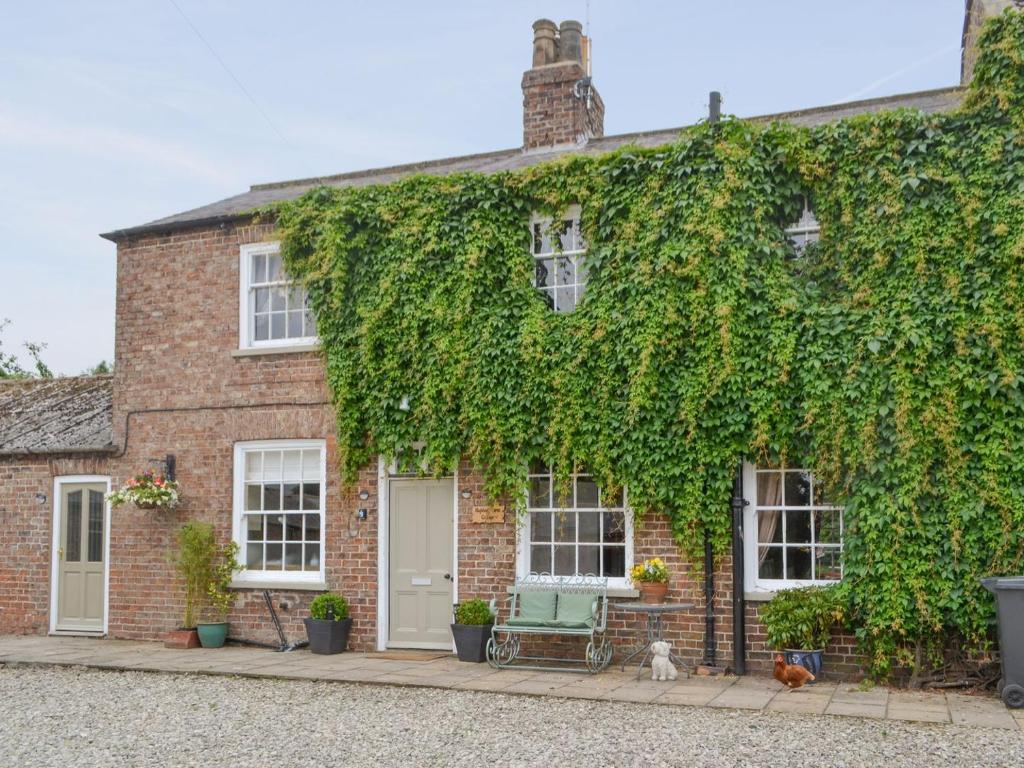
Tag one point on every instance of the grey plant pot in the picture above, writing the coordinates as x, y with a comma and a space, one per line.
471, 641
328, 636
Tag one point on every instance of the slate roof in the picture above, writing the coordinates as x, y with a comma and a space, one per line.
239, 206
62, 415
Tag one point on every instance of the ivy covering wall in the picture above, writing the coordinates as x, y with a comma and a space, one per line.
888, 357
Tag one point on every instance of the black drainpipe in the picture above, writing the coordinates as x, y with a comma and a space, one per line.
739, 603
710, 645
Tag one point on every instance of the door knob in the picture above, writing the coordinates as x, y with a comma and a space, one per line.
60, 553
448, 576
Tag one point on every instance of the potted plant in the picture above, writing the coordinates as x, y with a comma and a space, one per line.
192, 558
651, 579
799, 623
471, 630
328, 625
219, 597
146, 491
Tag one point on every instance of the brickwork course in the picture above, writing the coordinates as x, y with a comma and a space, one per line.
181, 387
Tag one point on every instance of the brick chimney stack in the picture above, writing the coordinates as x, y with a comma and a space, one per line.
976, 13
560, 104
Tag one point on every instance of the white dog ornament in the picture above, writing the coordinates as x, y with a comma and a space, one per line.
662, 667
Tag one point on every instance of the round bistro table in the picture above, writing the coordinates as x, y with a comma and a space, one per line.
655, 630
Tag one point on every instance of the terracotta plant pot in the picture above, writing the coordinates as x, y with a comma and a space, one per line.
652, 591
182, 638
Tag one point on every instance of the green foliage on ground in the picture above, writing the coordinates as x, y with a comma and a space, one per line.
888, 357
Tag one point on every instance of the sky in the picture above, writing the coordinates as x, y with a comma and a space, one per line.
113, 114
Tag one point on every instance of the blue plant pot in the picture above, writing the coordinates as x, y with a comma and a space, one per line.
809, 660
212, 634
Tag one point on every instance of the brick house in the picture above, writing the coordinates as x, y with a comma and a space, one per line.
217, 365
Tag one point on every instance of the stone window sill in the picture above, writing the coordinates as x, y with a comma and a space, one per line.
283, 586
613, 592
282, 350
758, 597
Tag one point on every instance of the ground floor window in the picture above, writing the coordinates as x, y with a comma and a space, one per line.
793, 532
279, 509
578, 529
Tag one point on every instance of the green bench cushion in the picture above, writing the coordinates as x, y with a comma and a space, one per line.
517, 621
575, 608
534, 608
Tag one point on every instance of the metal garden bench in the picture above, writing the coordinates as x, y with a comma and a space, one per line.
568, 606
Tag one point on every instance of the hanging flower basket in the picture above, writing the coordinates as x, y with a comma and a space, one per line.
146, 491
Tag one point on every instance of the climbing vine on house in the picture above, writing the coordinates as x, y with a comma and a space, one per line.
888, 357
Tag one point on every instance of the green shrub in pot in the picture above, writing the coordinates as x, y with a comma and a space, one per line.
329, 623
799, 623
471, 630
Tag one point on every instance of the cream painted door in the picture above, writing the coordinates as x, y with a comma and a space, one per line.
80, 557
420, 569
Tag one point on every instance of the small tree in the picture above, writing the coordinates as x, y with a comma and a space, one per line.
218, 591
194, 560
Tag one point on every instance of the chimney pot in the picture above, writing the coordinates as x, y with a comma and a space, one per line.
544, 46
569, 41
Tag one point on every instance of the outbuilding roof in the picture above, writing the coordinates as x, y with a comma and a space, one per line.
63, 415
259, 195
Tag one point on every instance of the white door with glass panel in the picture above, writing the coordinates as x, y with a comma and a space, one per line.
420, 531
80, 557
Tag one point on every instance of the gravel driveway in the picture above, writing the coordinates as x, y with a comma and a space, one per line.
69, 716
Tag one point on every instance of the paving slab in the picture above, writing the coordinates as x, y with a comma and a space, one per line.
980, 711
856, 709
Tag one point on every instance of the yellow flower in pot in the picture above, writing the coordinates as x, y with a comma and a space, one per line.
651, 579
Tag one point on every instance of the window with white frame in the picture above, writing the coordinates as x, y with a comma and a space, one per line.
805, 231
279, 509
560, 270
274, 311
794, 533
578, 529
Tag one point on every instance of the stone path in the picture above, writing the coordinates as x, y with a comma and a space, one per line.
740, 693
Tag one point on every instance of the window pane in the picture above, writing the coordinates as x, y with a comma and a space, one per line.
565, 561
798, 489
95, 527
272, 497
769, 526
590, 526
272, 465
567, 240
259, 268
798, 526
254, 528
798, 563
565, 299
253, 465
586, 493
590, 560
253, 495
565, 526
262, 331
293, 527
540, 559
614, 527
769, 489
769, 562
544, 273
565, 271
295, 324
262, 303
614, 562
275, 528
254, 557
563, 494
540, 492
581, 270
540, 526
278, 299
291, 498
73, 534
828, 526
274, 267
293, 557
828, 565
274, 557
548, 294
541, 238
311, 495
312, 527
312, 557
311, 464
277, 325
291, 468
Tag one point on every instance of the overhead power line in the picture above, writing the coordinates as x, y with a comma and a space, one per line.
227, 69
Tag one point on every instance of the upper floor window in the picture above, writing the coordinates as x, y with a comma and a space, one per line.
578, 529
279, 509
794, 532
560, 271
273, 310
805, 231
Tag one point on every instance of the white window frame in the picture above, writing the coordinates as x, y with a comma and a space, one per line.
577, 255
246, 310
524, 538
238, 529
805, 231
753, 584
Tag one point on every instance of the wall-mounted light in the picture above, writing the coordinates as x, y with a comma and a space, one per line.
40, 498
466, 494
364, 495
